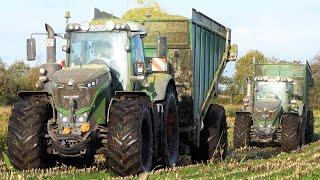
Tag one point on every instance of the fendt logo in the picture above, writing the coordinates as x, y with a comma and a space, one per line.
71, 97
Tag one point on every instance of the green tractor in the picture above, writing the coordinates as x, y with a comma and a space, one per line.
112, 99
276, 108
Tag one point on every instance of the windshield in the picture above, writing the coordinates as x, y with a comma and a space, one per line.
101, 48
268, 89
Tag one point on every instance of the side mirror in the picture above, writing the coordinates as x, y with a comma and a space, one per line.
31, 49
161, 47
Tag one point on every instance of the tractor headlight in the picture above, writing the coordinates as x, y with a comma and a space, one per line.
89, 85
92, 84
82, 118
42, 71
70, 27
293, 101
76, 27
109, 25
64, 119
118, 26
85, 26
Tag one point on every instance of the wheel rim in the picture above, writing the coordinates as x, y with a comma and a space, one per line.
146, 145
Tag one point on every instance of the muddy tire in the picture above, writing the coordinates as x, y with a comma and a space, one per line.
26, 135
213, 136
241, 133
130, 137
291, 136
171, 128
310, 127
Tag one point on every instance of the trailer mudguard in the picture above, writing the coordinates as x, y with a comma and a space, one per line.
158, 83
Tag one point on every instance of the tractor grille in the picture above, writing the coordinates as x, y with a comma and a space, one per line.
82, 97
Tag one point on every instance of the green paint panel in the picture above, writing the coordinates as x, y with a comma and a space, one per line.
208, 47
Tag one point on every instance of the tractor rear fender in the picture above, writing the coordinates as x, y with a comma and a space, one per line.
158, 83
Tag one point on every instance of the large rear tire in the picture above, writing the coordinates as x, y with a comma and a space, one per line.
291, 132
310, 127
130, 137
26, 135
241, 133
213, 136
171, 128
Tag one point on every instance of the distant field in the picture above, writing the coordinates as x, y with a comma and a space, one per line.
247, 163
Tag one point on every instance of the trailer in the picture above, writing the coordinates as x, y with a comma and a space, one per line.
198, 50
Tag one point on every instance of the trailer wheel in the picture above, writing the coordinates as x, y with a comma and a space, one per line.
291, 132
310, 127
213, 136
26, 135
241, 133
171, 128
130, 137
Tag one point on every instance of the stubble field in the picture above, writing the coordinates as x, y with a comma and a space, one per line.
249, 163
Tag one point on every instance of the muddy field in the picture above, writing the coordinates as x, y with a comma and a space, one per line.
245, 163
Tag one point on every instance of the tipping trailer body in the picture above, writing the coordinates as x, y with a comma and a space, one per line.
195, 53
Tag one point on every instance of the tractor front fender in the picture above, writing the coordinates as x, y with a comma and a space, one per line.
158, 83
239, 113
27, 94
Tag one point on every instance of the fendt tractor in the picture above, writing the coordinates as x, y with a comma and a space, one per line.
119, 95
276, 108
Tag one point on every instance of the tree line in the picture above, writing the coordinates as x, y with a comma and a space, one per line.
235, 86
19, 76
14, 78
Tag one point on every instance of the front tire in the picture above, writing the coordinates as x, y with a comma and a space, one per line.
130, 137
291, 132
242, 127
213, 137
26, 135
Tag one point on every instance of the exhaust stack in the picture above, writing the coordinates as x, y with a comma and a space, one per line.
50, 44
247, 101
248, 88
51, 66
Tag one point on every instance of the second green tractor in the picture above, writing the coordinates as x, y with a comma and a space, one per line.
276, 108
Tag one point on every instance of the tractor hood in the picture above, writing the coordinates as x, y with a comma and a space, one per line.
266, 113
269, 104
80, 74
77, 89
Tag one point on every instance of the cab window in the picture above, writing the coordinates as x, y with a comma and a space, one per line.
137, 49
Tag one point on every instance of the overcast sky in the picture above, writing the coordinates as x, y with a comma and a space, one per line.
286, 29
